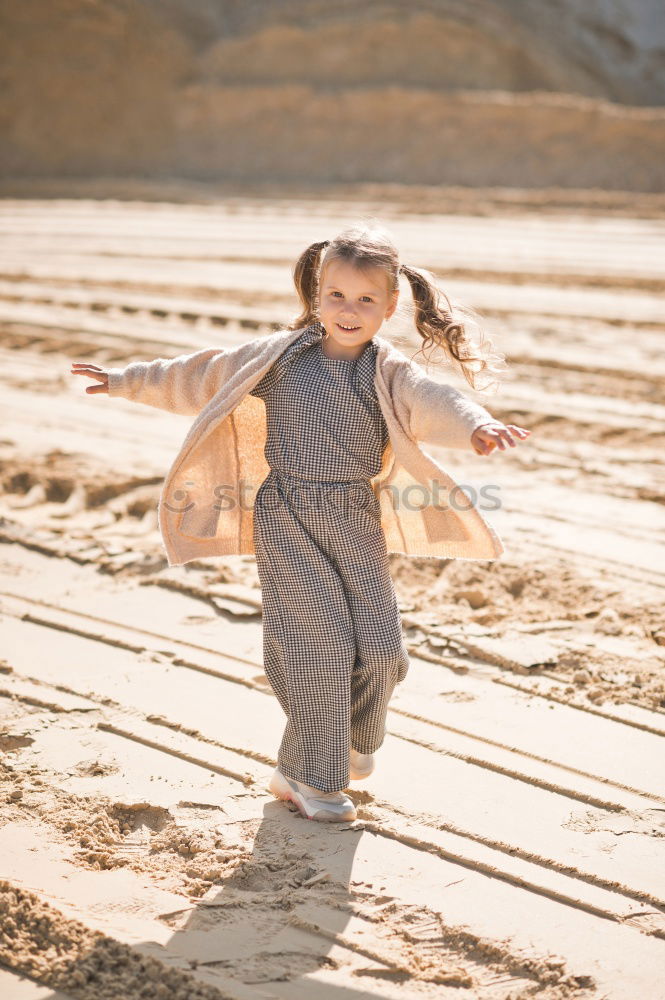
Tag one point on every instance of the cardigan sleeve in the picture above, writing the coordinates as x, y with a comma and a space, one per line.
181, 385
184, 384
441, 414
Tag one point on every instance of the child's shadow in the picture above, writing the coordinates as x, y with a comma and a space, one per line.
282, 913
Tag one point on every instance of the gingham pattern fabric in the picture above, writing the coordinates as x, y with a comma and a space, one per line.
332, 635
323, 418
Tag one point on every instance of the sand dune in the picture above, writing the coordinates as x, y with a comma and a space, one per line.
560, 94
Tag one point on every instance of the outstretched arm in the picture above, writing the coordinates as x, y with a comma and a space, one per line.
181, 385
184, 384
441, 414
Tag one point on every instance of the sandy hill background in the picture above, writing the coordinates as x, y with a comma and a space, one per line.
523, 94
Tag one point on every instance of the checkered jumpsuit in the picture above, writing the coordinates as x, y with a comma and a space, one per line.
332, 636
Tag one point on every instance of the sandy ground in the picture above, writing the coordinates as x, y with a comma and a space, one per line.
510, 842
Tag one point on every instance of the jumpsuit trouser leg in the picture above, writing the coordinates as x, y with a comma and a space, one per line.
332, 635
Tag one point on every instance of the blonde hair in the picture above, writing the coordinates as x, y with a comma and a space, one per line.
438, 325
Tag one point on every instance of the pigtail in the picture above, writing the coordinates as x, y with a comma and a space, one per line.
440, 328
306, 278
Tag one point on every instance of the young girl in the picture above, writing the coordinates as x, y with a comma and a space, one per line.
332, 635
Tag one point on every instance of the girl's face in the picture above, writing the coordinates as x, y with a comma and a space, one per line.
353, 304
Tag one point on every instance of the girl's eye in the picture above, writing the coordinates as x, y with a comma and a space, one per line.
367, 297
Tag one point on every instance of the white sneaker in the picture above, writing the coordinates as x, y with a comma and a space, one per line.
361, 765
312, 803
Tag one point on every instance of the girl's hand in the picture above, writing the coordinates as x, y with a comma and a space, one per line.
495, 435
92, 371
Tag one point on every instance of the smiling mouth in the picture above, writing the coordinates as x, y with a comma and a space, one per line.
346, 329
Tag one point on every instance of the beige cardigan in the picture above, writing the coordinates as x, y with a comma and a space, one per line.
207, 499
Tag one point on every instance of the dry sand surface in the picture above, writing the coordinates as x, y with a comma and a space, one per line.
510, 842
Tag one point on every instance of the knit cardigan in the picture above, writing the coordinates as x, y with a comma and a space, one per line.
206, 502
